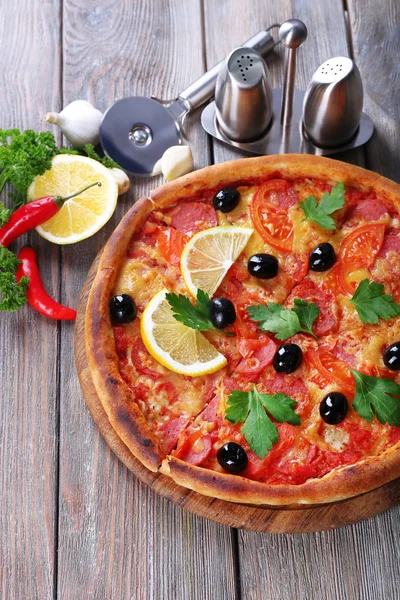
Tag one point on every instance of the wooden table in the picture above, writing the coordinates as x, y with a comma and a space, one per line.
74, 523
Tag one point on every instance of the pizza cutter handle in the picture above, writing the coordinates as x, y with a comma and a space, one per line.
203, 89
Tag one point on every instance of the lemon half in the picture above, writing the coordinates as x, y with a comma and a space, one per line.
84, 215
209, 254
175, 346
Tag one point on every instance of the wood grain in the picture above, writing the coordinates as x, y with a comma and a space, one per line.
338, 564
376, 49
29, 45
263, 519
117, 538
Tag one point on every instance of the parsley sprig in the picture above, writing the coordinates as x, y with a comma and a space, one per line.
23, 156
12, 293
372, 303
196, 316
5, 214
377, 396
283, 322
251, 408
319, 212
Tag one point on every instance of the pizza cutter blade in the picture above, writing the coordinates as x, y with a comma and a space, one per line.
136, 131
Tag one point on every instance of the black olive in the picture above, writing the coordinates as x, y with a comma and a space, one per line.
322, 258
222, 312
333, 408
232, 458
391, 357
226, 199
263, 266
122, 309
287, 358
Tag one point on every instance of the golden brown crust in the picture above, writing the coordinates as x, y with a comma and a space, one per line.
115, 395
339, 484
288, 165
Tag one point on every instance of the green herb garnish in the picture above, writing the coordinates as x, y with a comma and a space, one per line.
372, 304
23, 156
375, 396
250, 409
12, 293
196, 316
5, 214
319, 212
283, 322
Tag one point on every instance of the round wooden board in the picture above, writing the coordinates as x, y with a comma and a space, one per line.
264, 519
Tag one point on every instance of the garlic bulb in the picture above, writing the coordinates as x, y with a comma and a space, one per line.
122, 179
79, 121
175, 162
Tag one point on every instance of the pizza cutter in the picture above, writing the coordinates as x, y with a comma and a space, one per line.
136, 131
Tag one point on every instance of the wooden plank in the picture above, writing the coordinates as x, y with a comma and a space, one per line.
117, 537
321, 565
29, 45
375, 38
359, 562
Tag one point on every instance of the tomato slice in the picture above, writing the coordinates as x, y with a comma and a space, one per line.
171, 243
196, 448
270, 216
361, 246
243, 326
357, 250
331, 369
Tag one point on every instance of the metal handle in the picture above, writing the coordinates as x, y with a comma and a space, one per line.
292, 34
203, 89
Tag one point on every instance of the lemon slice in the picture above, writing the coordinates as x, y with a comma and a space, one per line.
209, 254
84, 215
174, 345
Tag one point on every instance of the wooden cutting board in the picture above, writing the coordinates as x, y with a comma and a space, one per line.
263, 519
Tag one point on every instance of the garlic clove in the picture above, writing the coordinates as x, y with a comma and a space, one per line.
176, 161
122, 179
79, 121
157, 167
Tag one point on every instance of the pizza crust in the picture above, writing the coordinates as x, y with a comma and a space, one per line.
115, 394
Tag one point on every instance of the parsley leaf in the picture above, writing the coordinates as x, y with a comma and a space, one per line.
258, 429
5, 214
12, 293
374, 395
306, 311
23, 156
283, 322
319, 212
371, 303
196, 316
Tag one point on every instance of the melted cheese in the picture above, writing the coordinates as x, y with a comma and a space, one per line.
336, 438
240, 215
306, 235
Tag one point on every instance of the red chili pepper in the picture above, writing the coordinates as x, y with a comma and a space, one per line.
33, 214
37, 296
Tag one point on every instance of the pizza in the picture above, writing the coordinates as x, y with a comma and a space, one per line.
243, 331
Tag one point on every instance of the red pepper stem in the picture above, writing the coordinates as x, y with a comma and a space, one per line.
59, 200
